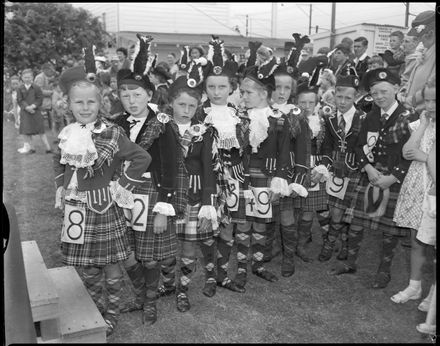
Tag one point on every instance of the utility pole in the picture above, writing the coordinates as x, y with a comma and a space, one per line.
406, 14
310, 20
247, 25
332, 29
118, 43
274, 20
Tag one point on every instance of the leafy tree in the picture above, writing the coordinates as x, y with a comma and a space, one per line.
40, 32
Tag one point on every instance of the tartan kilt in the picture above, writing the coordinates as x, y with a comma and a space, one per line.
315, 201
147, 245
259, 179
188, 230
105, 240
286, 203
355, 214
350, 193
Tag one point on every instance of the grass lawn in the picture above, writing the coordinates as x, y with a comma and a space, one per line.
311, 306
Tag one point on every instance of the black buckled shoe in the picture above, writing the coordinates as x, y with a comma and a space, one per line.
265, 274
343, 254
164, 291
182, 302
287, 268
326, 254
131, 305
111, 324
149, 315
232, 286
342, 268
381, 280
209, 289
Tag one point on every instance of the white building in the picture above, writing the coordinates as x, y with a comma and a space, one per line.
376, 34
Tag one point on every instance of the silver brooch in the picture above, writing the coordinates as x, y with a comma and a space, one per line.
191, 83
217, 70
382, 75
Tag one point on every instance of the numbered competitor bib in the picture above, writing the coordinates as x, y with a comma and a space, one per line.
233, 196
337, 187
371, 143
139, 213
260, 207
73, 225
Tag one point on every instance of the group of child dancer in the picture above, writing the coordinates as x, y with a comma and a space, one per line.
212, 174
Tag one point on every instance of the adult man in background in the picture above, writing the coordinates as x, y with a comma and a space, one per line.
43, 80
361, 58
424, 27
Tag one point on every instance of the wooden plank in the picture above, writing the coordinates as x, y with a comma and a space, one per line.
43, 296
50, 329
79, 318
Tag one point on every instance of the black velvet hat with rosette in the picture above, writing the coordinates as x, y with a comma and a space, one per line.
349, 80
79, 73
289, 66
137, 74
253, 47
193, 80
263, 74
217, 64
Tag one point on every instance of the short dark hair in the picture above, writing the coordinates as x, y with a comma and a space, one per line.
398, 34
174, 55
363, 40
343, 48
190, 91
123, 50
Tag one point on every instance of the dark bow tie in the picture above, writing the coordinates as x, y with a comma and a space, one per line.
133, 123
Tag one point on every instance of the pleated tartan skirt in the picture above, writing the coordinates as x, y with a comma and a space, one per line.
105, 239
187, 229
147, 245
315, 201
355, 214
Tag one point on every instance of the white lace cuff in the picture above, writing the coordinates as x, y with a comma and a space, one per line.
210, 213
432, 206
299, 189
280, 186
122, 197
248, 194
324, 171
163, 208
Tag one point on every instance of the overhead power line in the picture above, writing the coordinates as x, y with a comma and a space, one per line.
210, 17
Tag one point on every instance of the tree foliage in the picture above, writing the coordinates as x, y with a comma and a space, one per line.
42, 32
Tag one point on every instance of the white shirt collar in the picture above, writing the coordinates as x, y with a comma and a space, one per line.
348, 117
27, 86
391, 110
361, 58
183, 128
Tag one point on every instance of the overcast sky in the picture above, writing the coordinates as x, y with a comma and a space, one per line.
294, 16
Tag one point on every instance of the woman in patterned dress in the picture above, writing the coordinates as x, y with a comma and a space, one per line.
418, 181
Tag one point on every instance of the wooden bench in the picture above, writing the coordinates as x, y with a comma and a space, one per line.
79, 320
43, 296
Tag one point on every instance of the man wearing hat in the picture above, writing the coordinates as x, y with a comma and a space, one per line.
266, 152
383, 169
342, 129
424, 27
160, 76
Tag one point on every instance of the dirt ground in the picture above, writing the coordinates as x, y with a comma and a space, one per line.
309, 307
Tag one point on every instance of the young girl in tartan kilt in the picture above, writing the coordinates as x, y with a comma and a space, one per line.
383, 169
413, 197
229, 136
317, 198
91, 189
201, 219
266, 153
343, 124
162, 198
299, 150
